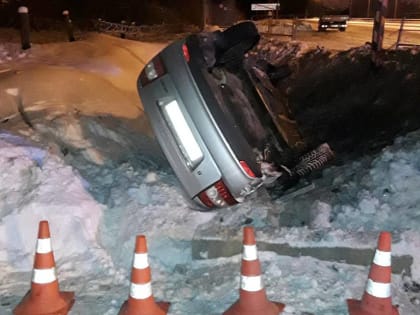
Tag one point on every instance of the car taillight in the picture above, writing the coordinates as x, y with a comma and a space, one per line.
186, 53
247, 169
153, 70
217, 195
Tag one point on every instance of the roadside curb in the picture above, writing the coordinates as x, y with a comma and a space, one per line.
210, 244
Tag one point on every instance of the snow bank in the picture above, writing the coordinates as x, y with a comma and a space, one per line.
11, 52
37, 185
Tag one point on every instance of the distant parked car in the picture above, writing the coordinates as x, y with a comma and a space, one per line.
333, 21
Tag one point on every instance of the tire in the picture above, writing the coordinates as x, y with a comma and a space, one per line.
342, 29
234, 42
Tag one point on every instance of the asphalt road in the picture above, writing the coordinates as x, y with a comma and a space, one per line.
358, 33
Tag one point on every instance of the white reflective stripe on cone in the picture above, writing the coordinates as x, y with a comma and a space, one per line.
140, 291
43, 246
251, 284
140, 261
43, 276
382, 258
250, 252
378, 289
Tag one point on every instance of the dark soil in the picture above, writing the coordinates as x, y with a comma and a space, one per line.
356, 101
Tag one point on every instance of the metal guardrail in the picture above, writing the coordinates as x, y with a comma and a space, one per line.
278, 27
134, 31
406, 29
122, 28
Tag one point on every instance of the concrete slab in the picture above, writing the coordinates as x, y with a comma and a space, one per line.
355, 248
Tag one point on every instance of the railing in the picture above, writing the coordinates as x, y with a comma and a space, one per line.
133, 31
404, 39
276, 27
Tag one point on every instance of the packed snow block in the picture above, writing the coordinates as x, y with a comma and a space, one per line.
6, 72
353, 248
8, 108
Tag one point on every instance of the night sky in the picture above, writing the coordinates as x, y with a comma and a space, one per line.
175, 12
146, 11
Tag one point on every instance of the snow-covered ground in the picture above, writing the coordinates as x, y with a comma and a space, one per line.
90, 166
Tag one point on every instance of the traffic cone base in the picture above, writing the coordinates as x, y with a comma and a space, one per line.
44, 297
141, 300
157, 308
252, 296
355, 308
268, 308
31, 305
377, 298
164, 306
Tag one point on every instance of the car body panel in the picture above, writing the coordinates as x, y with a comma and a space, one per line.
219, 160
333, 21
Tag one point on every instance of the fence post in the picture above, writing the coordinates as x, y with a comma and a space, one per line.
123, 29
270, 22
294, 28
24, 27
379, 24
69, 25
400, 31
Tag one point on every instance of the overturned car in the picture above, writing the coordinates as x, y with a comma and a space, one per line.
227, 129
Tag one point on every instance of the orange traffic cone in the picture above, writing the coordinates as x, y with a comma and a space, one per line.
141, 300
44, 298
376, 299
252, 296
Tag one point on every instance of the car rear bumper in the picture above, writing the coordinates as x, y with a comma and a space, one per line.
333, 25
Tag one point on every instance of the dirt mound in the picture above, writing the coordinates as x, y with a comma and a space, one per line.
354, 100
354, 104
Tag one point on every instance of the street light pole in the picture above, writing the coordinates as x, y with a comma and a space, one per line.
350, 7
395, 9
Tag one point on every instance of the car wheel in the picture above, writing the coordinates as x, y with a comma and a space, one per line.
342, 29
234, 42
